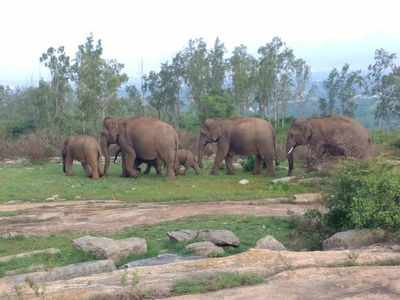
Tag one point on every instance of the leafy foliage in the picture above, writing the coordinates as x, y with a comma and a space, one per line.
364, 194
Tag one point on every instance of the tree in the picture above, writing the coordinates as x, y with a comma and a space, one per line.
382, 80
242, 73
97, 82
302, 78
349, 81
59, 65
217, 67
133, 104
217, 106
331, 85
274, 77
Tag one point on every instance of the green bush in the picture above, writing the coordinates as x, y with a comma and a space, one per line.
248, 163
364, 194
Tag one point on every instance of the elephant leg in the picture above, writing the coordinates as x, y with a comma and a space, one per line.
86, 168
123, 164
223, 148
269, 161
169, 159
158, 166
93, 167
129, 161
229, 164
68, 165
257, 165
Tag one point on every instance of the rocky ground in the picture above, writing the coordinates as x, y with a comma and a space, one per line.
354, 265
111, 216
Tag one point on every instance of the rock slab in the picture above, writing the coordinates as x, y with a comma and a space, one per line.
353, 239
161, 259
220, 237
183, 235
106, 248
270, 243
205, 249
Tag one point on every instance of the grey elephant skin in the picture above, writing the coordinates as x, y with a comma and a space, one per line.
85, 149
239, 136
141, 138
335, 135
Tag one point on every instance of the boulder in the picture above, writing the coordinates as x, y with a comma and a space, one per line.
353, 239
270, 243
205, 249
183, 235
220, 237
108, 248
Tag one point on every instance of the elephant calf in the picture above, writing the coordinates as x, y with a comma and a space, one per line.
84, 149
186, 158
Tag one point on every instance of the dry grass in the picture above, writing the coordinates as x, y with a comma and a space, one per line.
37, 146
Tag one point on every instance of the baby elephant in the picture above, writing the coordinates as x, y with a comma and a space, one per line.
186, 158
84, 149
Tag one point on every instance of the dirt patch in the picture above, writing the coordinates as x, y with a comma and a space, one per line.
112, 216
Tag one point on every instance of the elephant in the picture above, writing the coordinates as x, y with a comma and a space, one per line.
335, 135
186, 158
150, 163
85, 149
241, 136
144, 138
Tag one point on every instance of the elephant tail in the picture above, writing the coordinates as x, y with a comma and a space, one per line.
63, 155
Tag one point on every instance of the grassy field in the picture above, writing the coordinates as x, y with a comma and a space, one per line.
249, 229
39, 182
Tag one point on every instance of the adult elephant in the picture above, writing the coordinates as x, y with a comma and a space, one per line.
334, 135
140, 138
239, 136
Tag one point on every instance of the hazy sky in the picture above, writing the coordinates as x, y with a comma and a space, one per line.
325, 33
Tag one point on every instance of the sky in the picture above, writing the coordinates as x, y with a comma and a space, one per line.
326, 33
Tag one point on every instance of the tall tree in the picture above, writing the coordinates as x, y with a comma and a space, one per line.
382, 80
242, 73
97, 82
217, 67
302, 78
331, 85
59, 65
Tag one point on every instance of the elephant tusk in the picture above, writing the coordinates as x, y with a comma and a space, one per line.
291, 150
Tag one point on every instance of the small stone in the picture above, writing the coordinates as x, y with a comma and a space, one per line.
284, 179
244, 181
270, 243
183, 235
220, 237
205, 249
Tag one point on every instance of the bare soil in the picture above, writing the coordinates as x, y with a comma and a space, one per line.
111, 216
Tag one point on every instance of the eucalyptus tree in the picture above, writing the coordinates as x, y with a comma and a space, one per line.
97, 82
384, 84
301, 81
58, 63
242, 75
274, 77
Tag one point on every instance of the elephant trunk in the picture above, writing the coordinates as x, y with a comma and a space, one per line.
289, 150
105, 151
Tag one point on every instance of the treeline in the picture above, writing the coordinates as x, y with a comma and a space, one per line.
197, 83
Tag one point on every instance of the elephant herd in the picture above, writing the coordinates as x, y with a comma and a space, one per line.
149, 140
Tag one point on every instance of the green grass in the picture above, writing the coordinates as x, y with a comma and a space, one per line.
248, 228
215, 282
8, 213
68, 254
39, 182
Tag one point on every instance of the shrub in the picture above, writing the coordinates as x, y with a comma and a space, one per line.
248, 163
364, 194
